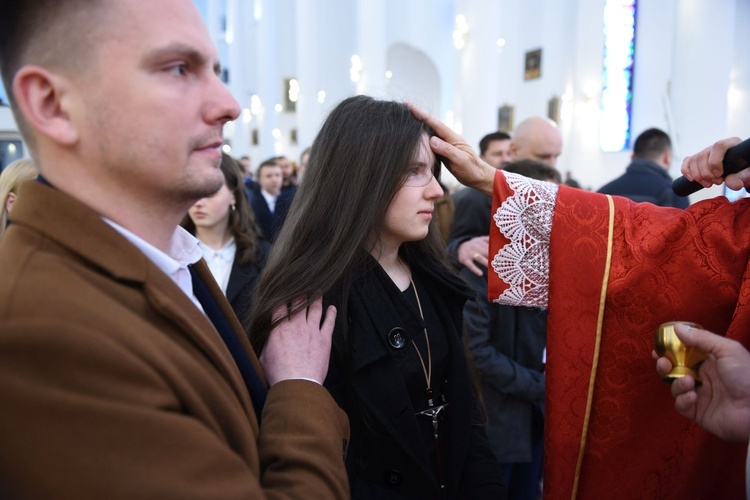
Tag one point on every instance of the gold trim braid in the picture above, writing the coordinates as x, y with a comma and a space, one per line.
597, 345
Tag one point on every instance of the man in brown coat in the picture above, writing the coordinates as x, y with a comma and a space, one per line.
123, 371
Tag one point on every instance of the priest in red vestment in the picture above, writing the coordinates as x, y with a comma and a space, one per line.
611, 271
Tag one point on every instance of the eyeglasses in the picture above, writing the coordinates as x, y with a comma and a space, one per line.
419, 175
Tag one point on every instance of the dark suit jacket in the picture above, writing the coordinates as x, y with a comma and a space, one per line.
114, 385
387, 457
644, 180
251, 187
243, 280
270, 223
471, 218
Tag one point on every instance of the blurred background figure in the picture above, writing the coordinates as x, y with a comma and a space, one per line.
570, 181
494, 148
251, 185
536, 138
469, 207
647, 177
271, 201
247, 165
304, 159
13, 176
230, 240
288, 174
535, 170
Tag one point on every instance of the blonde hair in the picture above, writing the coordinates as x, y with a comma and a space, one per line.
11, 177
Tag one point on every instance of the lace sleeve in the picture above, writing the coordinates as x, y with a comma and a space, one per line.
525, 219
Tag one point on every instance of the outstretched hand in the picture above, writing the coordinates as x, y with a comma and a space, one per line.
707, 168
472, 252
721, 405
299, 347
461, 159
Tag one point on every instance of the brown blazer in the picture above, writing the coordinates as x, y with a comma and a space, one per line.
114, 385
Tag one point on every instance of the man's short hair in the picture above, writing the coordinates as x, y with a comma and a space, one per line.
534, 169
50, 33
271, 162
651, 144
487, 139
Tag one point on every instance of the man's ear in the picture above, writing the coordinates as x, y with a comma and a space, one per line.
9, 201
43, 99
513, 150
667, 159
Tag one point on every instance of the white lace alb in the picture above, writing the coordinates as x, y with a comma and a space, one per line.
525, 218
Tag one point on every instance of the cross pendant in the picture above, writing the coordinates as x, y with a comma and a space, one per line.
433, 413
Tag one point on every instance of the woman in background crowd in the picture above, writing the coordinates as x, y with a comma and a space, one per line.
11, 178
231, 242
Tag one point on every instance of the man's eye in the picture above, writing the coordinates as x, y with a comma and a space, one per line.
178, 69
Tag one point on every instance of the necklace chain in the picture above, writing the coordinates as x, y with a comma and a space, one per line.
432, 411
427, 370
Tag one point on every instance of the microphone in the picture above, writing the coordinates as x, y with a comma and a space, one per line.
736, 158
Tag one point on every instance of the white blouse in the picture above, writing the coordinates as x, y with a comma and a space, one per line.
220, 262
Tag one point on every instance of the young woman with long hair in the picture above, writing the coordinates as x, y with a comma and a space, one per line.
231, 242
359, 234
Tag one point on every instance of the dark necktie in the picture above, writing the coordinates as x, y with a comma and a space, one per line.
252, 381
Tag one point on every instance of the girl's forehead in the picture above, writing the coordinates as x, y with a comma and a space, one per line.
424, 152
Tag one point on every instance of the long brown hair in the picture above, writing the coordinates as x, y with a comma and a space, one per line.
241, 220
357, 164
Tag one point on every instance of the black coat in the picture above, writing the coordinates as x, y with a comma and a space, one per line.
644, 180
387, 457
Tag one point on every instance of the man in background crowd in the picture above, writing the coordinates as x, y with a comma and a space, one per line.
647, 177
271, 203
535, 138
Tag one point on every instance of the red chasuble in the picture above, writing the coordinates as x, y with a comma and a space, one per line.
617, 270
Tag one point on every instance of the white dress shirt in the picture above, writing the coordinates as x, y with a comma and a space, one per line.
220, 261
183, 251
270, 200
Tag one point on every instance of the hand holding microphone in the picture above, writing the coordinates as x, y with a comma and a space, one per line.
713, 165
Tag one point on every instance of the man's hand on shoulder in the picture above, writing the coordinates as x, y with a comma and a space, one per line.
299, 347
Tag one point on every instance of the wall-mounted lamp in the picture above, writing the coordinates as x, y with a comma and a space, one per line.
247, 115
461, 33
255, 105
355, 71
